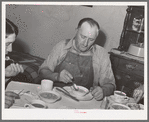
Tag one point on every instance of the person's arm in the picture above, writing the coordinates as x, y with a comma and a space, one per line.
63, 76
46, 70
106, 81
46, 73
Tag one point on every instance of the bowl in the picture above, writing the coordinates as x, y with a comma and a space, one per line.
36, 104
136, 50
49, 96
120, 96
122, 101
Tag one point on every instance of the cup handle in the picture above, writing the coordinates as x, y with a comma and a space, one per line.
126, 98
27, 105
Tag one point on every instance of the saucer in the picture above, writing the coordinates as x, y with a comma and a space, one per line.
118, 106
112, 99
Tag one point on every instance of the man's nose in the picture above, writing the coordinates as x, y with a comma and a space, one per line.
86, 42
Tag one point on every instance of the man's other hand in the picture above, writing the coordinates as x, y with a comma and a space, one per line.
97, 92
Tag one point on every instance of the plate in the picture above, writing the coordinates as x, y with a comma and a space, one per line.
26, 94
49, 96
25, 97
135, 106
80, 92
87, 97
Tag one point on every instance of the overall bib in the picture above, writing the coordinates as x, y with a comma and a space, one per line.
80, 67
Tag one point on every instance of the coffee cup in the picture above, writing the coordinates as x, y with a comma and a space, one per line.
120, 96
36, 104
46, 85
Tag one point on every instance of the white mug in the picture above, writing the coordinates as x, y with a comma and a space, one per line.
120, 96
46, 85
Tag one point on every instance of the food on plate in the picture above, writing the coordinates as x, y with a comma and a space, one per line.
135, 106
81, 91
48, 95
37, 105
117, 106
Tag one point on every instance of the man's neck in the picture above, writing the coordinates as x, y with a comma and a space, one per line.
75, 50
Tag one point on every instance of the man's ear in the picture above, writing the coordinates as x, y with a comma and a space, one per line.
98, 32
76, 30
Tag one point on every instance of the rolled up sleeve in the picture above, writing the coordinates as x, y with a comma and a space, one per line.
52, 60
106, 78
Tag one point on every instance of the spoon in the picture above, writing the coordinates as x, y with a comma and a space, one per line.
75, 86
122, 89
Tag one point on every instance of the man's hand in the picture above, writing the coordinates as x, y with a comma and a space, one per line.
97, 92
13, 70
65, 76
10, 98
138, 93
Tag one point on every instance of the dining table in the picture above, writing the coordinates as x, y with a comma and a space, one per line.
65, 102
31, 92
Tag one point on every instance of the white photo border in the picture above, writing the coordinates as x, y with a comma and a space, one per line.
67, 114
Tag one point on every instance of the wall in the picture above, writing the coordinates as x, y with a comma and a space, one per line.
42, 26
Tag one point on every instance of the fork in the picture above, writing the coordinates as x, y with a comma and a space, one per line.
20, 92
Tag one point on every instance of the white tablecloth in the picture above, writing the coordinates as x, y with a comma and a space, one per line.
64, 103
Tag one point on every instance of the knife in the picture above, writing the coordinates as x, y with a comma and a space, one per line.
74, 98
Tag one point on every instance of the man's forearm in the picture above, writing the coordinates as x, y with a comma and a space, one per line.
48, 74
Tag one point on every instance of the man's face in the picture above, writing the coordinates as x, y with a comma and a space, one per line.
85, 37
8, 42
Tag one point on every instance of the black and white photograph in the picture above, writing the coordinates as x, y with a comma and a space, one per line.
74, 60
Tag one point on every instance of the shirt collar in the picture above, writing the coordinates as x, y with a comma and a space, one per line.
69, 44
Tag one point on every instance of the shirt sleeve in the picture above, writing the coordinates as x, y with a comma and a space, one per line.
107, 80
53, 58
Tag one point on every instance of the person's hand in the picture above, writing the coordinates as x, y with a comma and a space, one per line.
10, 98
97, 92
65, 76
138, 93
13, 70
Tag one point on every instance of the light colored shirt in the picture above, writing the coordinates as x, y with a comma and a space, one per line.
103, 74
